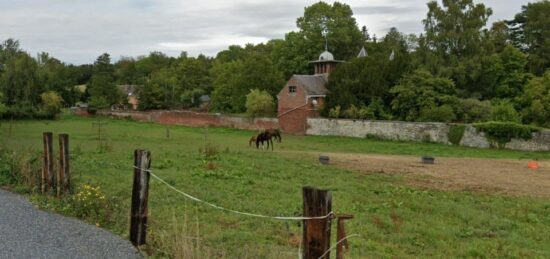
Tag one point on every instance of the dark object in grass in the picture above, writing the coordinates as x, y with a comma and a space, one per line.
324, 160
428, 160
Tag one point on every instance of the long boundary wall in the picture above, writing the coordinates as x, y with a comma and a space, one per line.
415, 131
197, 119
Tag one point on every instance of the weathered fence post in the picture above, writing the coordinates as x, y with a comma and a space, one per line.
48, 175
64, 173
140, 192
343, 247
316, 237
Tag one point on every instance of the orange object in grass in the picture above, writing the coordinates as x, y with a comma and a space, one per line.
533, 165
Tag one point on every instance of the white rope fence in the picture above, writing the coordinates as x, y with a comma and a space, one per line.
230, 210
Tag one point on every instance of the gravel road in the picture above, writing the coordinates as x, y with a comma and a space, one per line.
27, 232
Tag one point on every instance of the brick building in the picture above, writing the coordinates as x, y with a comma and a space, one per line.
303, 96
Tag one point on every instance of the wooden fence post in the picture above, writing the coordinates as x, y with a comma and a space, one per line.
64, 173
48, 175
140, 192
316, 239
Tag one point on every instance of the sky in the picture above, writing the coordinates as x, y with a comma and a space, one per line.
78, 31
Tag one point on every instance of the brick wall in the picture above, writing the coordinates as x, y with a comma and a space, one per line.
195, 119
293, 110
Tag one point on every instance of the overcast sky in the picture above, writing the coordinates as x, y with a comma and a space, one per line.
77, 31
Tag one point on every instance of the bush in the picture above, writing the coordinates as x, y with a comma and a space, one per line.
444, 113
500, 133
475, 110
51, 104
352, 112
456, 132
504, 111
334, 112
259, 103
21, 168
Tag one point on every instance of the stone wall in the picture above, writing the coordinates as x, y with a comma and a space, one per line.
197, 119
415, 131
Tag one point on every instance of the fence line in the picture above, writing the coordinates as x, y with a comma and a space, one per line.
337, 243
230, 210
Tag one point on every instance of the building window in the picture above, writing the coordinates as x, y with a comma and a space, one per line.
292, 89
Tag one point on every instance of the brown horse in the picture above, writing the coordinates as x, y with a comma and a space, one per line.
252, 140
264, 136
275, 133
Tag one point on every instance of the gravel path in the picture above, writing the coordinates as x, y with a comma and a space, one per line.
26, 232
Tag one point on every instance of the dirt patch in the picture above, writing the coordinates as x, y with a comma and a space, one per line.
470, 174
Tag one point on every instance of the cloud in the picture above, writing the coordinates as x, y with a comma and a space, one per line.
78, 31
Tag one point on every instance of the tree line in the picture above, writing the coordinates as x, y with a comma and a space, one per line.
459, 69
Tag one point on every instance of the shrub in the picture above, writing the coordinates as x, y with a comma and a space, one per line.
51, 104
475, 110
334, 112
352, 112
444, 113
21, 168
456, 132
504, 111
501, 133
259, 103
97, 103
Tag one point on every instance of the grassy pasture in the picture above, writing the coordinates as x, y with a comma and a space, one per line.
394, 220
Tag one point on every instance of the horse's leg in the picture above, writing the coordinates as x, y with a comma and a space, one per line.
270, 140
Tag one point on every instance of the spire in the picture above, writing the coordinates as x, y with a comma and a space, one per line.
363, 53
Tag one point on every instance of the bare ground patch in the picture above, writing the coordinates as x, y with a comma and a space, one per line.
503, 176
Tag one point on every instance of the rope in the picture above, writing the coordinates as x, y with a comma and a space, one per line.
230, 210
340, 241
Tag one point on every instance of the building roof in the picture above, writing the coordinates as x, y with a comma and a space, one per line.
313, 84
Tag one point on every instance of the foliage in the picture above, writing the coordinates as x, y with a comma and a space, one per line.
536, 101
335, 112
51, 103
102, 85
443, 113
502, 132
259, 103
474, 110
20, 168
505, 111
233, 80
420, 94
530, 31
456, 132
453, 44
97, 103
293, 55
505, 75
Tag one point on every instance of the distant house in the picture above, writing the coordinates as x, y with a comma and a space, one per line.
303, 96
130, 92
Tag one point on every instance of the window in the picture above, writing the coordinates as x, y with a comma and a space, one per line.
292, 89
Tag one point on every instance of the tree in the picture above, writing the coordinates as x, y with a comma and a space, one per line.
361, 81
505, 75
259, 103
536, 100
51, 103
233, 80
454, 42
420, 93
344, 37
102, 86
530, 32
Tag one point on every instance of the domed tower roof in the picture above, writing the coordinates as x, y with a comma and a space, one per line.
326, 56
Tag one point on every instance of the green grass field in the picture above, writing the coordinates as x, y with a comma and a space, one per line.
394, 220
